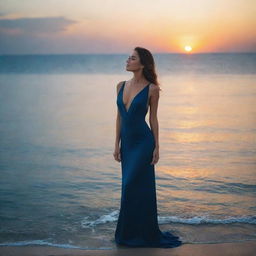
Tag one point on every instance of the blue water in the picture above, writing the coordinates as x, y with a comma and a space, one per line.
59, 183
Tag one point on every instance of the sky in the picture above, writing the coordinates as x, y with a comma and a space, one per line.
117, 26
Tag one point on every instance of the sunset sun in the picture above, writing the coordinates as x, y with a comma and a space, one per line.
188, 48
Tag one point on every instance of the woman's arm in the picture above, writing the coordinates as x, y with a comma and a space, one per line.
117, 129
153, 114
154, 98
116, 153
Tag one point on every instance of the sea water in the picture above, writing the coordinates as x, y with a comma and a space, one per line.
59, 183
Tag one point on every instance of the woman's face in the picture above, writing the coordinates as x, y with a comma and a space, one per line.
133, 62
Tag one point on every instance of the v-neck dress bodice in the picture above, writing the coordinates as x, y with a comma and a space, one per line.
134, 98
137, 224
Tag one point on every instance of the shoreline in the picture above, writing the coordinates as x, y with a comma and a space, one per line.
246, 248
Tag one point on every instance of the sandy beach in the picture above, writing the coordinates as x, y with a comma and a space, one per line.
247, 248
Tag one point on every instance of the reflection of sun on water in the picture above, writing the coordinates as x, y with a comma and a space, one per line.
188, 48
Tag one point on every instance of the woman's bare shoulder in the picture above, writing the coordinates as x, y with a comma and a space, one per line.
154, 88
118, 86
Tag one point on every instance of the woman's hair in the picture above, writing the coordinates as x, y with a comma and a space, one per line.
147, 60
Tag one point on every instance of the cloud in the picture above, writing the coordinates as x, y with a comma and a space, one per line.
35, 25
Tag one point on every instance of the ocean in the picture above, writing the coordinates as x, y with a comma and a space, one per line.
59, 183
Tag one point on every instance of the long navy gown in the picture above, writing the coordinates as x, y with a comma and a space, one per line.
137, 224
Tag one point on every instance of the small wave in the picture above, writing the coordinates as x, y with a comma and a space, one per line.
68, 246
45, 243
113, 216
206, 220
103, 219
39, 242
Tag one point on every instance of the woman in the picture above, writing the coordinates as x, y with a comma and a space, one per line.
138, 151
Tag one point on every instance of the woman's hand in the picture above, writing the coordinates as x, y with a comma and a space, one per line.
155, 156
117, 154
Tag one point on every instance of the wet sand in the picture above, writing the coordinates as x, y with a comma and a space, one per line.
226, 249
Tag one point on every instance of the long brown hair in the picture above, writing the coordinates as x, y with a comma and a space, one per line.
147, 60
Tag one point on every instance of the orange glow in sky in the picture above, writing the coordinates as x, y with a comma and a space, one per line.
90, 26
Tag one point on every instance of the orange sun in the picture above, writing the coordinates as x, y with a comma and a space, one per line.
188, 48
